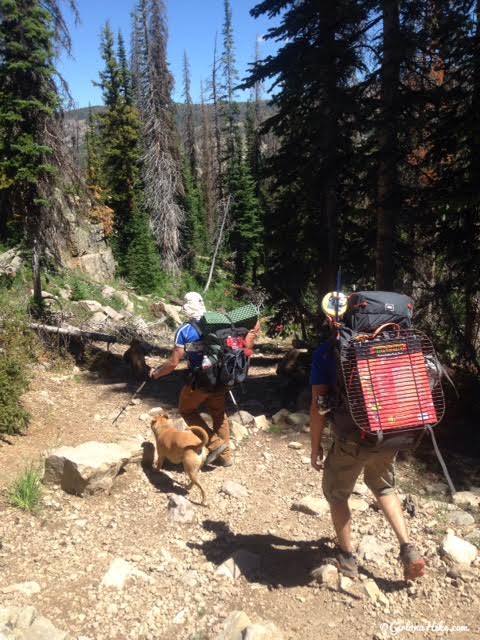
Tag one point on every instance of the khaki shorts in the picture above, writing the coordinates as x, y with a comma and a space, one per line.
345, 462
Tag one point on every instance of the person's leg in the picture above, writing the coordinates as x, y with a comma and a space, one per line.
189, 404
380, 478
342, 467
215, 403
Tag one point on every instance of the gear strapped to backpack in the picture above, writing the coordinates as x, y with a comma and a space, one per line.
225, 362
386, 383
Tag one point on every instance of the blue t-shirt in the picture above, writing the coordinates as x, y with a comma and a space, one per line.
323, 366
191, 340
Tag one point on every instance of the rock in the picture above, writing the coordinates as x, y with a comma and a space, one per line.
361, 489
295, 445
373, 592
241, 563
112, 314
436, 487
234, 489
179, 423
100, 266
108, 292
326, 574
458, 550
305, 460
244, 418
358, 504
10, 263
297, 419
238, 431
156, 411
90, 306
311, 506
119, 572
349, 586
25, 624
89, 468
460, 518
280, 416
234, 625
466, 498
180, 509
371, 549
162, 309
145, 417
262, 423
27, 588
262, 632
98, 318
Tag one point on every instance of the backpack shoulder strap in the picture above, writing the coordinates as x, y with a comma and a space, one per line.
196, 326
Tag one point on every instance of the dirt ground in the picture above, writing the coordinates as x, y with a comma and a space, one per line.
69, 544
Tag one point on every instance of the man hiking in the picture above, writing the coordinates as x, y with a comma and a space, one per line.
346, 459
188, 343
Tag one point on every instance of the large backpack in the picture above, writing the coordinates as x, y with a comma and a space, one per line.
225, 361
388, 375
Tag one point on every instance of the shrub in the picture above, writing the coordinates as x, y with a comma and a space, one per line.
26, 490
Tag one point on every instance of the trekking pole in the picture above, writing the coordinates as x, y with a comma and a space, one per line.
442, 462
133, 396
236, 406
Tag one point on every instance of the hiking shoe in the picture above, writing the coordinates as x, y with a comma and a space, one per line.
346, 563
225, 461
213, 455
413, 563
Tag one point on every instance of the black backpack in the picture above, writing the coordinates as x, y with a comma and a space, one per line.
387, 390
225, 363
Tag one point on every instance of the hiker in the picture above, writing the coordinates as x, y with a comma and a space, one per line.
189, 344
348, 456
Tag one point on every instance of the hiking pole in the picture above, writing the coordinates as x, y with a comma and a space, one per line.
133, 396
441, 461
236, 406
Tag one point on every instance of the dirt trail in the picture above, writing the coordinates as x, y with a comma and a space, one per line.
68, 546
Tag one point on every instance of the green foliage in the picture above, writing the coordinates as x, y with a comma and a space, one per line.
28, 104
16, 352
26, 490
143, 264
195, 234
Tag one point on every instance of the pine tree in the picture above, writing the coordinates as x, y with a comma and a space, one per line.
29, 104
189, 118
120, 128
230, 110
207, 170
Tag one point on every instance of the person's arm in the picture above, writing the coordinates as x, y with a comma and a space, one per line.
317, 425
251, 336
170, 365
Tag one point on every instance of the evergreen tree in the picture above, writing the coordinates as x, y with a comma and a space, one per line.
92, 143
29, 104
246, 236
189, 119
195, 229
230, 110
120, 129
207, 170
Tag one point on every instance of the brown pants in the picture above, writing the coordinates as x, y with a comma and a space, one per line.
189, 404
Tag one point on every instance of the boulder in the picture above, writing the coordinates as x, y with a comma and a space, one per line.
358, 504
10, 263
295, 445
373, 592
90, 306
162, 309
466, 499
460, 518
112, 314
280, 416
234, 625
297, 419
266, 631
243, 417
311, 506
262, 423
24, 623
238, 431
90, 467
326, 574
458, 550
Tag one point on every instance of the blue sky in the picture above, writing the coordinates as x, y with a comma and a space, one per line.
192, 26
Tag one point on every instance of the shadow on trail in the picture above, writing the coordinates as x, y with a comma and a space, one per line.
283, 562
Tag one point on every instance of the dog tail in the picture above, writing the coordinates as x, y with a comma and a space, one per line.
201, 433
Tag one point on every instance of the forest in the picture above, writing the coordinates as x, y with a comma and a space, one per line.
358, 149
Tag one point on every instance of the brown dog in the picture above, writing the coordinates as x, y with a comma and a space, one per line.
186, 447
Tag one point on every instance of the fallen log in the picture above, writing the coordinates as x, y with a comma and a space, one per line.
95, 336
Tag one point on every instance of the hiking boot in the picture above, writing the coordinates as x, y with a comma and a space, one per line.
346, 563
225, 460
413, 563
213, 455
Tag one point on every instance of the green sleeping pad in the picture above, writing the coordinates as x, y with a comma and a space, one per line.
246, 316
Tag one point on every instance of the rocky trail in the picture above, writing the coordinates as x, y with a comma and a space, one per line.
143, 562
